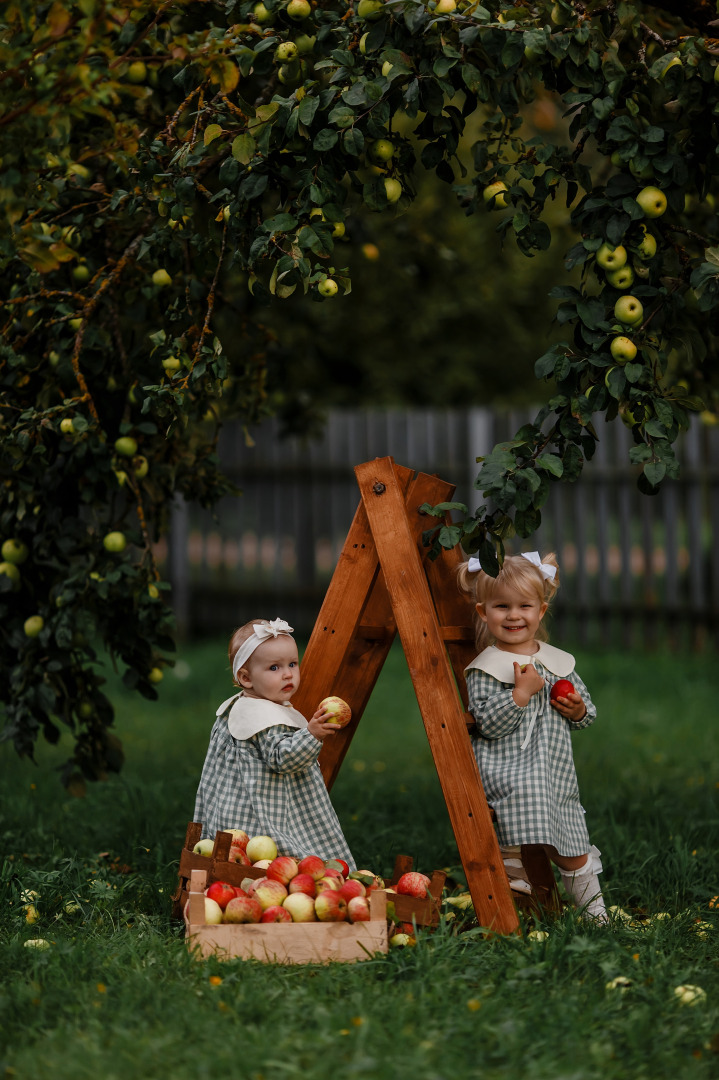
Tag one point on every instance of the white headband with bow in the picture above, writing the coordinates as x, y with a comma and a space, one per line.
546, 569
262, 632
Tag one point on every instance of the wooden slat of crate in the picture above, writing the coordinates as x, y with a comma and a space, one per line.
424, 910
286, 943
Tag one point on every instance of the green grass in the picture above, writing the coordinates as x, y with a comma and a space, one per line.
118, 994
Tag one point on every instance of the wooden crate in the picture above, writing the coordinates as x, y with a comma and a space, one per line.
285, 943
217, 866
424, 910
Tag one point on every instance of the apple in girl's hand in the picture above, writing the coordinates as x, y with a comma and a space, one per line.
221, 892
282, 869
261, 847
302, 883
352, 888
312, 865
330, 906
413, 884
269, 893
275, 913
561, 688
301, 907
338, 864
339, 710
358, 909
243, 909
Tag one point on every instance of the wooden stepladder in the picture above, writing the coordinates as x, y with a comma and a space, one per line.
383, 584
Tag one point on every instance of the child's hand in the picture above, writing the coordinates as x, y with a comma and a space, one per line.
571, 706
319, 727
527, 683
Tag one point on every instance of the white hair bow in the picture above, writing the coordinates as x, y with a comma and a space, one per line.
261, 632
546, 569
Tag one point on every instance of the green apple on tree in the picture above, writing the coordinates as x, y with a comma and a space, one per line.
393, 189
115, 542
298, 9
494, 195
647, 246
33, 625
445, 7
66, 426
10, 571
285, 52
381, 150
156, 675
628, 310
623, 349
328, 287
261, 14
370, 10
171, 364
611, 258
140, 466
14, 551
620, 279
161, 278
81, 273
137, 72
653, 201
126, 446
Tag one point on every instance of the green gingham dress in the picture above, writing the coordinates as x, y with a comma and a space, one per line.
524, 754
269, 785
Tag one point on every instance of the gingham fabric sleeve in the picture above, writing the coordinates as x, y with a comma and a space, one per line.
287, 750
495, 711
581, 689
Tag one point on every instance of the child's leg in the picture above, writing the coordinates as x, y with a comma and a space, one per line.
579, 877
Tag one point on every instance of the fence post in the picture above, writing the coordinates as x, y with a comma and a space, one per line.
178, 564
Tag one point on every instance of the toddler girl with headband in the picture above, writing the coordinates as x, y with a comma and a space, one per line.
261, 772
523, 742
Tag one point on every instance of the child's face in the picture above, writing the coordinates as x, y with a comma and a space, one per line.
512, 619
272, 671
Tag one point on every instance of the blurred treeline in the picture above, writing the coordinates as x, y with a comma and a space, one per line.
443, 311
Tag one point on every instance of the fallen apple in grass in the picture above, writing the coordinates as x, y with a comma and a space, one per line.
243, 909
413, 884
339, 711
561, 688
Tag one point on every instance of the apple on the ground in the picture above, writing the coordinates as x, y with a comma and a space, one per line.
330, 906
301, 907
261, 847
413, 884
243, 909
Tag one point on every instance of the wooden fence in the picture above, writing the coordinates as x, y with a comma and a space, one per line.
634, 569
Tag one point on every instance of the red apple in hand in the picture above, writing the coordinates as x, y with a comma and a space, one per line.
340, 711
561, 688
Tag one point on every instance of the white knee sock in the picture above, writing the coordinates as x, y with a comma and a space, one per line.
583, 886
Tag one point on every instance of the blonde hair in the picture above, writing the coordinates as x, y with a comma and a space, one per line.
518, 574
239, 637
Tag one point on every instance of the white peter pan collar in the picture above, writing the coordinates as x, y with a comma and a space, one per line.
500, 664
247, 715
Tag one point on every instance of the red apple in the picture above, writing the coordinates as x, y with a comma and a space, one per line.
302, 883
301, 907
330, 906
331, 883
413, 884
221, 892
338, 864
352, 888
238, 856
269, 893
250, 884
243, 909
330, 872
239, 891
312, 865
368, 879
275, 913
340, 711
282, 869
561, 688
358, 909
239, 837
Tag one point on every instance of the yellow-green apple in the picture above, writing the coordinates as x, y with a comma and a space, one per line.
674, 62
393, 189
333, 883
11, 571
261, 14
213, 912
312, 865
445, 7
386, 68
156, 675
301, 907
282, 869
31, 914
261, 864
243, 909
204, 847
161, 278
137, 72
611, 258
275, 913
413, 884
352, 888
495, 192
298, 9
628, 310
397, 941
358, 909
66, 426
261, 847
303, 883
339, 711
640, 269
285, 52
622, 278
126, 446
623, 349
14, 551
269, 892
330, 906
328, 287
370, 10
221, 892
171, 364
33, 625
381, 150
561, 688
36, 943
140, 466
338, 864
647, 246
653, 201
